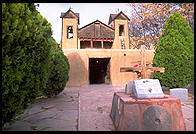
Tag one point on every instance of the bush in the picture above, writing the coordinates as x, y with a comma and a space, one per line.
58, 70
25, 48
175, 52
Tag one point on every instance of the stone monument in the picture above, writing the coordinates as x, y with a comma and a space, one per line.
147, 88
144, 107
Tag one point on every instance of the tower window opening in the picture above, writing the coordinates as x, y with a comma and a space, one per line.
70, 32
121, 30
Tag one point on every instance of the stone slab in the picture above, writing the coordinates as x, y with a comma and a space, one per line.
147, 88
181, 93
129, 87
151, 114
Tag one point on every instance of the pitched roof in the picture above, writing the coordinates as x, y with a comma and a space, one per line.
70, 14
96, 29
113, 15
120, 15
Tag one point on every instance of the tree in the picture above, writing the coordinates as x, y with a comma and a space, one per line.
26, 44
147, 19
24, 57
175, 52
58, 71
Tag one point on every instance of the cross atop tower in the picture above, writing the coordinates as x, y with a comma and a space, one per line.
70, 8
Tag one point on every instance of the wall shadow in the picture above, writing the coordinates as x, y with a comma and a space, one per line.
78, 75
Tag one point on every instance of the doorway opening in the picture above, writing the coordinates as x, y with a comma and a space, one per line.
99, 70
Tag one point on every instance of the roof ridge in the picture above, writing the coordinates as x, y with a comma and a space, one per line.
94, 22
64, 13
116, 15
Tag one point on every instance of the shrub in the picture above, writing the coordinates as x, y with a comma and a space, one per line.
25, 48
175, 52
58, 70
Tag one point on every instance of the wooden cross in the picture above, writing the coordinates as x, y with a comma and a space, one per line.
143, 67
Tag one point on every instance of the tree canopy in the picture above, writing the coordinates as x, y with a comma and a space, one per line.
175, 52
147, 19
26, 46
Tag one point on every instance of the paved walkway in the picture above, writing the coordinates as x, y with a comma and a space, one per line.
188, 114
79, 108
95, 107
52, 114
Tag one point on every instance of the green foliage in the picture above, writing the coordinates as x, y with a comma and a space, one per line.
175, 52
26, 44
58, 70
24, 56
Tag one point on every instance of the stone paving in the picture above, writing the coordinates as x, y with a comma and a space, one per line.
95, 107
84, 108
59, 113
188, 113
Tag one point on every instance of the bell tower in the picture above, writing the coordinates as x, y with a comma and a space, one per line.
69, 34
120, 24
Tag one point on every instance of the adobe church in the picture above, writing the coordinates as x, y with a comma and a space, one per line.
97, 51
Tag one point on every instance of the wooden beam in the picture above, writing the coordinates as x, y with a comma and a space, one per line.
102, 44
139, 69
82, 39
143, 61
98, 39
130, 69
156, 69
91, 43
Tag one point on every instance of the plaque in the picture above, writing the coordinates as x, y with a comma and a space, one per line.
147, 88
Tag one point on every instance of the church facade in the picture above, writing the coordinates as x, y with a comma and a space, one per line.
97, 51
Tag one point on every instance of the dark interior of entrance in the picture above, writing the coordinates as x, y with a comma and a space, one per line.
99, 70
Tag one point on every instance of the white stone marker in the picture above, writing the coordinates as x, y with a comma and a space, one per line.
181, 93
129, 87
147, 88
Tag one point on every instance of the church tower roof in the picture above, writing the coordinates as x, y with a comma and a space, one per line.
70, 14
120, 15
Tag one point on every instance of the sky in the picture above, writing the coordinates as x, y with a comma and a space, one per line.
89, 12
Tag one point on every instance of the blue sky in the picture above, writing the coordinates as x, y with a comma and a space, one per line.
89, 12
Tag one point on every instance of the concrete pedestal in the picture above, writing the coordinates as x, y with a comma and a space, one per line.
161, 114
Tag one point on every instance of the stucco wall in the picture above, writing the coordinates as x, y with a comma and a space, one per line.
79, 64
117, 40
73, 42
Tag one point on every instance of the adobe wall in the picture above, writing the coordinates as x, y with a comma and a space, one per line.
117, 39
73, 42
79, 64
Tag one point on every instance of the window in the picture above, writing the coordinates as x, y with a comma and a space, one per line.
107, 45
84, 44
121, 30
96, 44
70, 32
